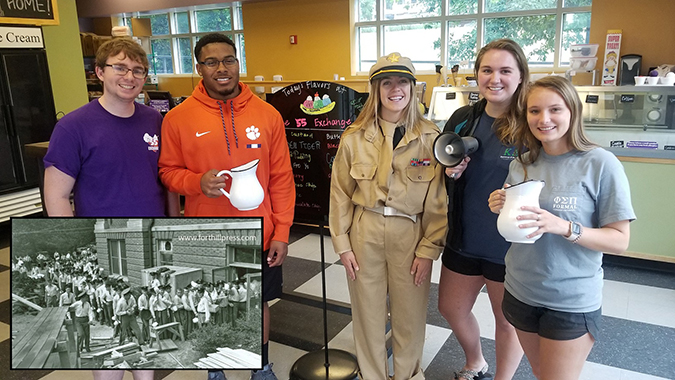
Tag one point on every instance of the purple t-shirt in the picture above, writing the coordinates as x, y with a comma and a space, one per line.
113, 160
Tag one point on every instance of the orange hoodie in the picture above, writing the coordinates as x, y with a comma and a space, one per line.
203, 133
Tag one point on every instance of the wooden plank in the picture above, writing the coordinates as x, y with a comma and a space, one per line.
41, 355
148, 364
223, 361
128, 358
26, 302
48, 332
167, 345
230, 359
110, 350
28, 332
64, 358
210, 363
166, 325
70, 329
202, 365
157, 330
241, 354
33, 338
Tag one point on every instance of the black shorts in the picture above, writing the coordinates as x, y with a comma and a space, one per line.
470, 266
550, 324
273, 280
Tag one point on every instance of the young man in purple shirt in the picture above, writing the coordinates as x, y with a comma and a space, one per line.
106, 151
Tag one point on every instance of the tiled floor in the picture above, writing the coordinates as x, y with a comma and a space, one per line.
637, 338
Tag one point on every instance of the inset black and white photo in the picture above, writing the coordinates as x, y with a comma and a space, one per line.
155, 293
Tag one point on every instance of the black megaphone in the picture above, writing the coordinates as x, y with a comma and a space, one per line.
450, 149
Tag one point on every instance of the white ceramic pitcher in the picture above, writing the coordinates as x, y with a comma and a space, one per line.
521, 194
245, 191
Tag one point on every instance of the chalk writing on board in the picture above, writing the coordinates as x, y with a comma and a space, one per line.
332, 123
27, 9
357, 104
315, 114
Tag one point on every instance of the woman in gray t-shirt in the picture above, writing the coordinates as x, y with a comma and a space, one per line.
553, 287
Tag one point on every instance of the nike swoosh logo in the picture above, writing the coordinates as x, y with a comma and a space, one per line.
201, 134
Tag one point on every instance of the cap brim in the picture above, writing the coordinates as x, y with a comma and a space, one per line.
393, 73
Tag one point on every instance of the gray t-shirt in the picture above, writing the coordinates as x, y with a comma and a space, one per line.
590, 188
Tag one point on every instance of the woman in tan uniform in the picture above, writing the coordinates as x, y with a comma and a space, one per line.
388, 219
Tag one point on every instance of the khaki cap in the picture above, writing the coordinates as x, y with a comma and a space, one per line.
393, 65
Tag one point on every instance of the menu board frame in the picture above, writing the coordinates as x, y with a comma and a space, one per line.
36, 12
315, 114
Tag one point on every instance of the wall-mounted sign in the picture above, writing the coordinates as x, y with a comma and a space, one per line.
21, 38
33, 12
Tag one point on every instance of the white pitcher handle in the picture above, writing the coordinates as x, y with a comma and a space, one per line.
221, 173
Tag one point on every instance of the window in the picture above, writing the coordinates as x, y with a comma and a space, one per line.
175, 32
452, 31
165, 252
245, 261
117, 257
249, 255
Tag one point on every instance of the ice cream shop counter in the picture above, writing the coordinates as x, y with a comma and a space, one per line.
637, 124
633, 121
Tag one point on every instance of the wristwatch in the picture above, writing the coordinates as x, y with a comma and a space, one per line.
575, 232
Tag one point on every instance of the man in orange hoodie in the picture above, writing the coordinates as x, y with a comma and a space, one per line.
223, 125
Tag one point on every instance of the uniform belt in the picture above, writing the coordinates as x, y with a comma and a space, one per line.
390, 211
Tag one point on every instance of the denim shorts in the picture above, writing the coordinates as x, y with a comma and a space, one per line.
470, 266
550, 324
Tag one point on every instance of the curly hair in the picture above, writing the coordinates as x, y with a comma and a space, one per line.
210, 39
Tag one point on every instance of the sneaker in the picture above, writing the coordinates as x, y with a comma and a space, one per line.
264, 374
217, 375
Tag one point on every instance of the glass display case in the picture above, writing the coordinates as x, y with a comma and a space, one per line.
636, 121
445, 100
633, 121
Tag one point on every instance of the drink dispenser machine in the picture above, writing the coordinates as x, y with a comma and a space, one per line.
630, 68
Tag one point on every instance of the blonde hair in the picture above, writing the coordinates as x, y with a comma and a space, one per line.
576, 137
506, 125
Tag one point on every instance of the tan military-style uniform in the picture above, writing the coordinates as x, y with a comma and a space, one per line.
388, 206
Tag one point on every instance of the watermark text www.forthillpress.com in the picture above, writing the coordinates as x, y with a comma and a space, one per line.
212, 237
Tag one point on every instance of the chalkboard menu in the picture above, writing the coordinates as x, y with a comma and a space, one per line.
315, 114
35, 12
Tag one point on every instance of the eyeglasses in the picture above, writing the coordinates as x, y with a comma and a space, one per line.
121, 70
212, 63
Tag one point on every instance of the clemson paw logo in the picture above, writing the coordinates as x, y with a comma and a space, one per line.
252, 133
